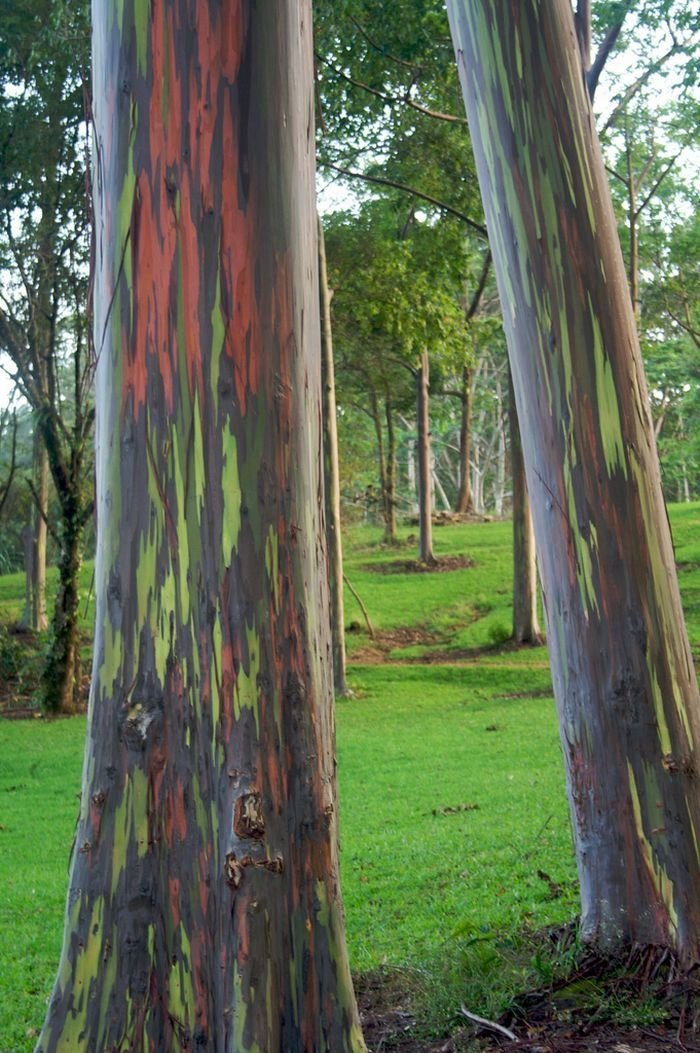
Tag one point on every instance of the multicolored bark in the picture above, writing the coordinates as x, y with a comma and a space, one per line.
623, 674
204, 909
526, 626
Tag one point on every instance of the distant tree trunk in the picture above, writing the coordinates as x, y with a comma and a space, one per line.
332, 476
439, 488
464, 503
633, 227
381, 459
204, 909
390, 473
526, 628
425, 504
477, 480
499, 485
411, 474
35, 538
61, 676
622, 668
39, 619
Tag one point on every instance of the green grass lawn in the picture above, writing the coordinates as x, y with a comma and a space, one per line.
455, 838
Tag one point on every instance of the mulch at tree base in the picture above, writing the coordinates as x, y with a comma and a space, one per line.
562, 1018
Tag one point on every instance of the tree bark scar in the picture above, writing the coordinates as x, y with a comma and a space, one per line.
234, 868
248, 820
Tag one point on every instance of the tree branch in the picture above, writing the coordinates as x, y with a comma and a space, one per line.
382, 51
667, 170
593, 74
6, 486
404, 100
479, 291
636, 86
383, 181
582, 19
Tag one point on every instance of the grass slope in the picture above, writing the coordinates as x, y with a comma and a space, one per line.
454, 826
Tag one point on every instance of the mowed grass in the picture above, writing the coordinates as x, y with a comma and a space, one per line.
455, 840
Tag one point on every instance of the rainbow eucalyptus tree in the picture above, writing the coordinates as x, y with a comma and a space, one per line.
203, 907
623, 673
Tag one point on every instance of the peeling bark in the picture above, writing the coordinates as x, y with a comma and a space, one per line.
623, 674
204, 909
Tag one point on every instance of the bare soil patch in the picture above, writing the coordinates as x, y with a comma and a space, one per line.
378, 648
440, 565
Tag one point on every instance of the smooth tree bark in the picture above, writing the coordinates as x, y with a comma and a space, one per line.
332, 476
203, 908
622, 667
425, 502
526, 625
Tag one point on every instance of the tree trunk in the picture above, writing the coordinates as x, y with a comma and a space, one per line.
61, 676
390, 474
499, 484
35, 536
41, 512
439, 489
526, 627
464, 502
381, 460
204, 908
425, 504
332, 476
622, 668
633, 224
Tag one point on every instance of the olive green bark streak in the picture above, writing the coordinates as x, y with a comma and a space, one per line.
211, 696
623, 675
